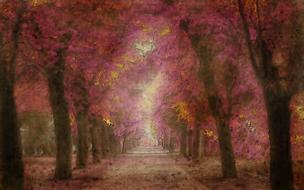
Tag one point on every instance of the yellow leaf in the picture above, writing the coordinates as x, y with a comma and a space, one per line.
121, 66
114, 75
242, 116
146, 28
299, 139
165, 31
107, 121
183, 111
72, 119
300, 111
129, 58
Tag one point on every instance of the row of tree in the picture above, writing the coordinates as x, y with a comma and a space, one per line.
236, 45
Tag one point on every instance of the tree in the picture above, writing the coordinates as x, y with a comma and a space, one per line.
222, 116
11, 151
59, 105
278, 87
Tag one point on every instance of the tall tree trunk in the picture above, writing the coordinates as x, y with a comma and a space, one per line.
190, 143
222, 119
81, 103
221, 116
95, 133
227, 155
196, 143
124, 148
11, 151
281, 175
183, 142
171, 142
165, 142
114, 144
55, 76
206, 74
202, 146
11, 165
82, 140
105, 141
277, 101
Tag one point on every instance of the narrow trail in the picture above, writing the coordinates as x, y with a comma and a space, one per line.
146, 168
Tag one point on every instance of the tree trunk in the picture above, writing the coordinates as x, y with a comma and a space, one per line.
105, 141
183, 142
11, 151
190, 143
95, 133
221, 116
11, 165
277, 101
226, 150
60, 112
165, 142
281, 175
82, 140
124, 149
81, 103
114, 144
206, 74
196, 143
202, 146
171, 143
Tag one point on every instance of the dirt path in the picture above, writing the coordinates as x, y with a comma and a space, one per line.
144, 169
147, 169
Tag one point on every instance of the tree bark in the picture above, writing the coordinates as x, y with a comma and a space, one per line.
171, 143
196, 144
11, 164
183, 142
124, 149
81, 103
95, 133
277, 100
82, 140
114, 144
105, 141
202, 146
190, 143
227, 155
11, 151
281, 174
55, 76
221, 116
165, 142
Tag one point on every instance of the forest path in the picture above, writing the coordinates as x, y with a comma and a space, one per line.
147, 168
